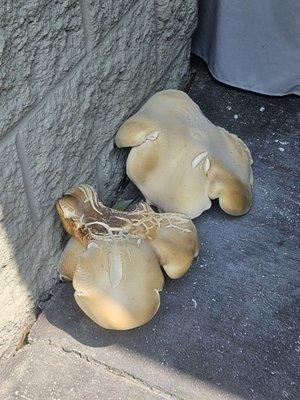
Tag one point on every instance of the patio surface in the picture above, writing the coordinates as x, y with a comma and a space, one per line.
226, 330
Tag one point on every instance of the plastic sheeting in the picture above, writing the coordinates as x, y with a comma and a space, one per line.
251, 44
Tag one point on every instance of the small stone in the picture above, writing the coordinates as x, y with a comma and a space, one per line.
235, 116
262, 109
281, 149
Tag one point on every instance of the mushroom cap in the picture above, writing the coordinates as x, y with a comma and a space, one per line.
174, 239
117, 283
186, 160
69, 259
77, 208
176, 250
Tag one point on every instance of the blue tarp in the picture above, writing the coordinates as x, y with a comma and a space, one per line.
251, 44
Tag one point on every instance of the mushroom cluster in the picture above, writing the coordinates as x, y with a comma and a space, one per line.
114, 257
181, 161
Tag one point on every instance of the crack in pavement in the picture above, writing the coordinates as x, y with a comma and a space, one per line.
114, 371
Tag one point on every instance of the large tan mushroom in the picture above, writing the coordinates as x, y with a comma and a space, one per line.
114, 257
181, 161
117, 283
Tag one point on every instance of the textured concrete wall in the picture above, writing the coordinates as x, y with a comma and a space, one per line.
70, 72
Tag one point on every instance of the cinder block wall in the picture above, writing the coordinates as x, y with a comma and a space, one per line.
70, 72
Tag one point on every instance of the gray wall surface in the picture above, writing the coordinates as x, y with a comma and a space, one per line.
70, 72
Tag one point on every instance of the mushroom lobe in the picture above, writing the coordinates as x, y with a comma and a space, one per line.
128, 302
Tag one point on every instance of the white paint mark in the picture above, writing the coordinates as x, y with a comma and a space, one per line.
281, 149
262, 109
195, 303
235, 116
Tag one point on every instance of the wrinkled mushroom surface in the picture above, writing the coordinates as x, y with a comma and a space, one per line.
114, 257
181, 161
172, 236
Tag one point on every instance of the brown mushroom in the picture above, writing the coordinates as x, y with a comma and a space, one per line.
181, 161
114, 257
